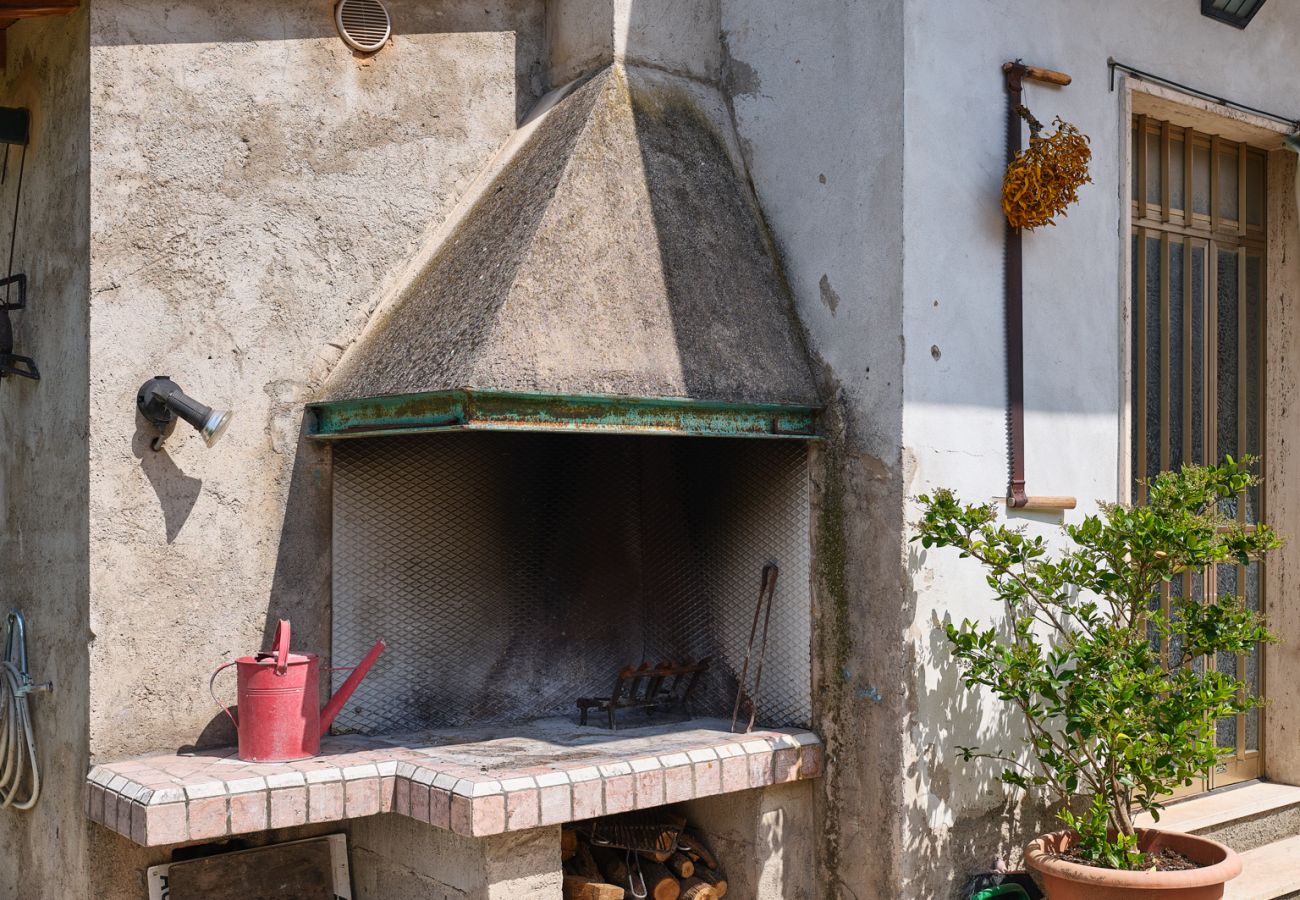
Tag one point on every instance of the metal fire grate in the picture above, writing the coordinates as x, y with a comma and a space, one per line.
513, 573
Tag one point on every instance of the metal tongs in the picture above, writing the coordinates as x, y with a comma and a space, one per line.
765, 592
636, 833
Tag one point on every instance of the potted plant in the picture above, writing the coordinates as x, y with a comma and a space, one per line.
1113, 725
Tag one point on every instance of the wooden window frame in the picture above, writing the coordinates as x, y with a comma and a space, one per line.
1214, 232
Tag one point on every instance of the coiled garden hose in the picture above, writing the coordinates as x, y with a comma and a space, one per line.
17, 744
20, 773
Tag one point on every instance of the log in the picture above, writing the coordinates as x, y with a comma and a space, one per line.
715, 878
659, 882
584, 863
667, 839
613, 863
698, 851
694, 889
568, 844
578, 887
681, 865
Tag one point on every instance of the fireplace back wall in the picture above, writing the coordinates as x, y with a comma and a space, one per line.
511, 573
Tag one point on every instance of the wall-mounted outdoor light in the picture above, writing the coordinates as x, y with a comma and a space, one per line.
1234, 12
161, 401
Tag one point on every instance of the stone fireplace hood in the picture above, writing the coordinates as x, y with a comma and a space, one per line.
611, 272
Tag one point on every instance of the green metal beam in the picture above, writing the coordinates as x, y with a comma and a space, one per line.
470, 410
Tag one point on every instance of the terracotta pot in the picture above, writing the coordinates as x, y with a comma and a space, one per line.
1065, 880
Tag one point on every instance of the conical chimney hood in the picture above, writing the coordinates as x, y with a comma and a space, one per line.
613, 272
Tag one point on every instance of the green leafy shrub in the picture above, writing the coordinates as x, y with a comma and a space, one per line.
1111, 725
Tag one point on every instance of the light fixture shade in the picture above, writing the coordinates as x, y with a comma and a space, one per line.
1234, 12
215, 426
161, 401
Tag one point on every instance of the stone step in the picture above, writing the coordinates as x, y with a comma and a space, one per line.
1261, 821
1269, 872
1244, 817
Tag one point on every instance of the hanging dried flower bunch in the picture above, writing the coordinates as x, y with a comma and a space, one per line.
1045, 178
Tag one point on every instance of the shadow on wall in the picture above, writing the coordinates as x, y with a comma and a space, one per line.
728, 300
300, 585
177, 492
254, 21
992, 823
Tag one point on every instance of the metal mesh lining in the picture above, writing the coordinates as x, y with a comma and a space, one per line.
512, 573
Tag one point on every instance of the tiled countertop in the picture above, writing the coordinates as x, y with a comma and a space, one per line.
473, 782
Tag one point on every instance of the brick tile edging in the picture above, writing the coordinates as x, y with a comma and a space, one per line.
174, 799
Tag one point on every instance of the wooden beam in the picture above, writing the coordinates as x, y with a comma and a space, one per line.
22, 9
13, 10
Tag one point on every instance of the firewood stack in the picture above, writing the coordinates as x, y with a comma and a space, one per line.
691, 872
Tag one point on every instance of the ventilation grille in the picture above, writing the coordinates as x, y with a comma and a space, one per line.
363, 24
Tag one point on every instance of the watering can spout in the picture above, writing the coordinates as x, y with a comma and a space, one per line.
345, 690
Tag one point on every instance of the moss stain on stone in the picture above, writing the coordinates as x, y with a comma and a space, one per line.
830, 571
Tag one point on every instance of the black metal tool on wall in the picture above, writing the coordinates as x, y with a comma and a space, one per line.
1015, 74
15, 123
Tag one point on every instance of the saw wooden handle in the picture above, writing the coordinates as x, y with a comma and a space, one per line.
1047, 504
1037, 73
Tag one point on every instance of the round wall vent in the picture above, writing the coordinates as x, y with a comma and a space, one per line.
363, 24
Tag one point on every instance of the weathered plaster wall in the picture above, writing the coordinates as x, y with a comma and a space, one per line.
397, 858
255, 184
817, 102
254, 221
674, 35
774, 830
953, 424
43, 432
886, 250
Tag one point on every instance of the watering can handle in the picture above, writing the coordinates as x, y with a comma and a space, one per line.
211, 690
280, 647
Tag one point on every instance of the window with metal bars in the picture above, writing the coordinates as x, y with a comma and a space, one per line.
1198, 255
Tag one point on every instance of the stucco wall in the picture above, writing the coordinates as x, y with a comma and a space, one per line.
818, 104
255, 184
43, 434
890, 247
954, 424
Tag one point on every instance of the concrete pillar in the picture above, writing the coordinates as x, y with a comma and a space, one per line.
1281, 469
678, 36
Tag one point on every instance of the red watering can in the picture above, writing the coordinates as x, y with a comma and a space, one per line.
280, 718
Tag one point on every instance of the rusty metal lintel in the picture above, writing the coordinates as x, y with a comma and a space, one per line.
472, 410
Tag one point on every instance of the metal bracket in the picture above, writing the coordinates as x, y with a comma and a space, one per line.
16, 642
12, 363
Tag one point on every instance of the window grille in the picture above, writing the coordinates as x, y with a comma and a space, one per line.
1198, 325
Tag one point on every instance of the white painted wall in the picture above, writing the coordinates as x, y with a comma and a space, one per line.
892, 255
953, 418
